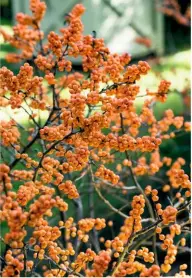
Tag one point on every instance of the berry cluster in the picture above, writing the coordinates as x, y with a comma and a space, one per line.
84, 151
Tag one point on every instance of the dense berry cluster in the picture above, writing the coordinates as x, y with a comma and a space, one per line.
61, 172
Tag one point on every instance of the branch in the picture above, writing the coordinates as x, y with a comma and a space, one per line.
95, 240
50, 148
142, 232
150, 209
31, 142
103, 198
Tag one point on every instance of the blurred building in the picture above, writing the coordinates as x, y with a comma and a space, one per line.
133, 26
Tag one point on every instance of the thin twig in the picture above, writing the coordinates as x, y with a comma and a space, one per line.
108, 203
150, 209
142, 232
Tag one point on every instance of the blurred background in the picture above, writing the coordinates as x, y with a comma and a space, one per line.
154, 30
139, 27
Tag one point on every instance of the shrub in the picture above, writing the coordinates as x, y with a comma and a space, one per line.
93, 141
